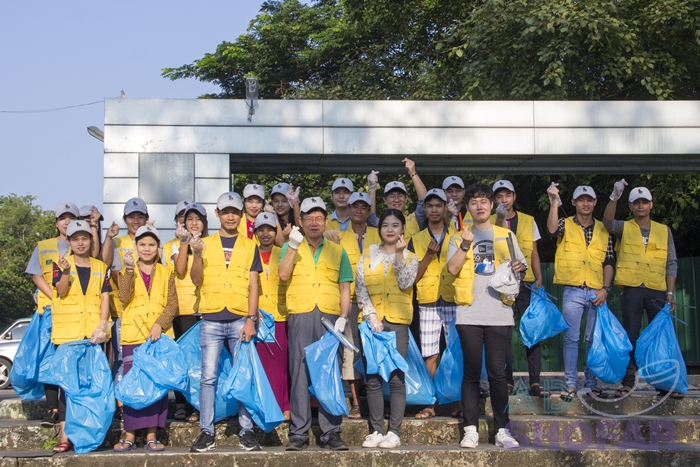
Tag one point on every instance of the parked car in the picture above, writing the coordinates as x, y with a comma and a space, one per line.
9, 342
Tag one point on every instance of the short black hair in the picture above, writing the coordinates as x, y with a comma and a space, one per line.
478, 190
433, 195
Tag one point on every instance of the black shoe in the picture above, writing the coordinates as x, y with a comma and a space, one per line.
249, 442
296, 445
204, 443
335, 443
50, 419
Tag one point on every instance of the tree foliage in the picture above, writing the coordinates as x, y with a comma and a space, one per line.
22, 225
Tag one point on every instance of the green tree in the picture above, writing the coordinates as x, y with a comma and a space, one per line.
22, 225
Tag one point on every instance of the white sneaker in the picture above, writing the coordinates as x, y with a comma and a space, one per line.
373, 440
505, 440
390, 441
471, 437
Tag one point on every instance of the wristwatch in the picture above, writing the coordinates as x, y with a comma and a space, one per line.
606, 288
253, 318
461, 247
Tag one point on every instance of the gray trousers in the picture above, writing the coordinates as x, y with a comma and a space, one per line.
397, 387
305, 329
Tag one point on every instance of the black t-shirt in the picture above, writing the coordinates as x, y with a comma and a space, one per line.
512, 224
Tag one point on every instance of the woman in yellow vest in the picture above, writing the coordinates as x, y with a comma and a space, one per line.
180, 260
147, 293
81, 307
253, 204
384, 288
273, 300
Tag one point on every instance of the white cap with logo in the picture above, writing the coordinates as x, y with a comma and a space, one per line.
312, 203
436, 192
358, 196
281, 188
135, 205
147, 230
503, 185
640, 192
69, 208
229, 200
343, 183
395, 185
266, 218
78, 226
453, 180
198, 208
254, 190
584, 190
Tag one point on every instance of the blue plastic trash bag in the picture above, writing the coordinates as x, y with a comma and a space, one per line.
380, 352
266, 328
189, 343
157, 368
610, 350
541, 320
448, 377
33, 354
249, 385
324, 371
420, 387
82, 371
659, 356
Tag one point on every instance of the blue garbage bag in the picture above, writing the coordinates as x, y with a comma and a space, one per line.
248, 384
610, 350
541, 320
324, 371
380, 352
34, 352
448, 377
420, 387
190, 345
266, 328
82, 371
157, 368
659, 356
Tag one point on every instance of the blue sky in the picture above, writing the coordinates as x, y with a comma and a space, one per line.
57, 54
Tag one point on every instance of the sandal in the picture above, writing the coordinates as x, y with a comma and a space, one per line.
427, 412
125, 446
194, 417
536, 390
569, 394
180, 413
622, 392
599, 393
63, 446
674, 395
153, 445
355, 412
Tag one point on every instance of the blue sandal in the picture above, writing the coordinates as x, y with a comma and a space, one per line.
125, 446
154, 445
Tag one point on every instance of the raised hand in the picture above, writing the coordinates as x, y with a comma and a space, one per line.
372, 180
182, 233
553, 193
618, 189
63, 264
113, 230
295, 238
129, 261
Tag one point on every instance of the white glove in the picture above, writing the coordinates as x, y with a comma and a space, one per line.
618, 189
501, 213
293, 195
129, 262
374, 322
268, 207
197, 244
372, 181
452, 210
100, 333
553, 193
182, 233
340, 325
295, 238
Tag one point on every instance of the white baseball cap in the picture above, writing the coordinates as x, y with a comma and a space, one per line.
436, 192
503, 185
147, 230
135, 205
313, 203
78, 226
640, 192
453, 180
281, 188
395, 185
182, 205
196, 207
229, 200
266, 218
67, 208
343, 183
254, 190
584, 190
357, 196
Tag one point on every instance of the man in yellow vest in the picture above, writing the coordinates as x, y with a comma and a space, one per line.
318, 275
646, 267
527, 233
583, 264
341, 190
225, 267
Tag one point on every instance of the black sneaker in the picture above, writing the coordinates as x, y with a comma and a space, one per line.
335, 443
204, 443
296, 445
50, 419
249, 442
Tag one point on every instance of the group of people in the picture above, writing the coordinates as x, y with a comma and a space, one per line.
299, 262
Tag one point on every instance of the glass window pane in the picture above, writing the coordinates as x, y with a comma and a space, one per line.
166, 178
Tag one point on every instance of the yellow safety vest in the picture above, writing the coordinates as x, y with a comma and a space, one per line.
464, 281
75, 316
315, 285
48, 255
436, 281
144, 308
574, 264
637, 265
187, 292
226, 287
392, 303
349, 242
412, 227
526, 240
273, 290
123, 245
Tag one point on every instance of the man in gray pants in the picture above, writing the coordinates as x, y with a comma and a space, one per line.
318, 275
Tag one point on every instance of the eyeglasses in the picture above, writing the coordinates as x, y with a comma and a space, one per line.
315, 220
395, 196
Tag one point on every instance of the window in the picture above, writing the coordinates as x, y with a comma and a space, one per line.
166, 178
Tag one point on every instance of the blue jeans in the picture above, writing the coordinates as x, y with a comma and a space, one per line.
577, 302
212, 335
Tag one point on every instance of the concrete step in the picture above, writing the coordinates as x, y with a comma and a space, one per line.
578, 432
414, 456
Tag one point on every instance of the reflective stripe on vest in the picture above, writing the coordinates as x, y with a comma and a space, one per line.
388, 299
574, 264
144, 309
